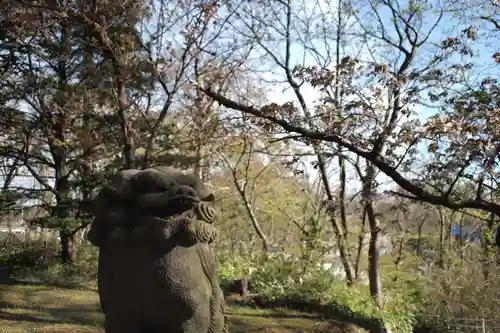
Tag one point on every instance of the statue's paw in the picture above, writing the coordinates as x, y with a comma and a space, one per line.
205, 232
205, 212
166, 229
183, 230
190, 228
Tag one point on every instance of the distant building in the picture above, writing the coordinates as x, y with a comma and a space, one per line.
16, 222
469, 233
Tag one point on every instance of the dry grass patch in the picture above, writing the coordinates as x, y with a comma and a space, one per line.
47, 309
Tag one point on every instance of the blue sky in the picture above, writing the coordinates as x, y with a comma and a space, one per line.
449, 26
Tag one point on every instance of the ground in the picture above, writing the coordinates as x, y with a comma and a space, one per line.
43, 309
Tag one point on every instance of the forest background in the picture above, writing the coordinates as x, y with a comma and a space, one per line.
354, 146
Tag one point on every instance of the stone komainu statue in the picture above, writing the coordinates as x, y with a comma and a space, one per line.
157, 272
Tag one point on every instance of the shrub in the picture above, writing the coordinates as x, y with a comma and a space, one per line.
83, 270
40, 260
467, 289
19, 256
278, 278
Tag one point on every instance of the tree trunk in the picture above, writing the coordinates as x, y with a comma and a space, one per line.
60, 152
442, 235
68, 247
242, 191
374, 246
374, 259
361, 239
340, 235
419, 235
127, 140
461, 232
255, 223
419, 239
342, 229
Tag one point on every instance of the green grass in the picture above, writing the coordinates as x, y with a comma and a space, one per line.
44, 309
